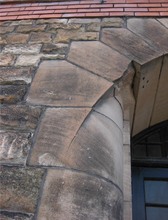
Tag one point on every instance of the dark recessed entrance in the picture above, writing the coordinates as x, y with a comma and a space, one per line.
150, 173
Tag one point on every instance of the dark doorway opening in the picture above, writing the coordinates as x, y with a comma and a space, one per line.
150, 173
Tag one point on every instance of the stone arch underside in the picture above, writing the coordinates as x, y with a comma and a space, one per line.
87, 96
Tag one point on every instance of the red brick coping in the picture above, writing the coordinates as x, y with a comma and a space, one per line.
82, 9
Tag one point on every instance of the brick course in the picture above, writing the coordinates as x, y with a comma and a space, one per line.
87, 8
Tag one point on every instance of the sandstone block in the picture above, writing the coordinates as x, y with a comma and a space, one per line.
28, 60
17, 38
112, 22
64, 36
19, 117
57, 130
111, 108
164, 21
15, 76
93, 27
40, 37
8, 29
84, 20
2, 40
146, 29
71, 195
129, 44
55, 48
19, 188
14, 147
21, 22
59, 83
6, 59
22, 49
97, 148
55, 26
30, 28
52, 56
98, 58
10, 94
51, 21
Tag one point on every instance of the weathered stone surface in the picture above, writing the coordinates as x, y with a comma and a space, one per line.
59, 83
10, 94
4, 30
146, 29
55, 26
19, 117
111, 108
97, 149
4, 215
22, 49
28, 60
40, 37
71, 195
112, 22
17, 38
164, 21
19, 188
55, 48
99, 59
64, 36
30, 28
14, 147
15, 75
129, 44
6, 59
58, 128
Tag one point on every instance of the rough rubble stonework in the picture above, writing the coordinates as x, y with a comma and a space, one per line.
60, 141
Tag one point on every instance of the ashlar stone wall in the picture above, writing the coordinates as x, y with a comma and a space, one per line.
66, 108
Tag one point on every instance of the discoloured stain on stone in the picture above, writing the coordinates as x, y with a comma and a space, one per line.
57, 130
99, 59
59, 83
14, 147
19, 188
19, 117
76, 196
